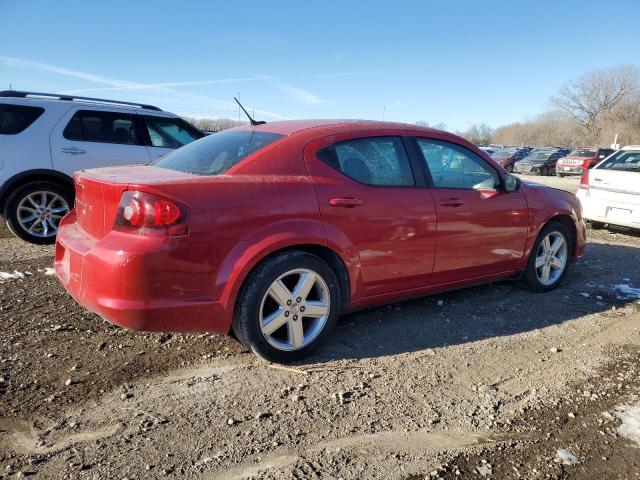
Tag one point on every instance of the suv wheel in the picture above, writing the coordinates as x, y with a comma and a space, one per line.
33, 212
288, 307
550, 257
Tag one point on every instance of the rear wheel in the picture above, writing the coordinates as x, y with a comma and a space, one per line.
550, 257
288, 307
33, 212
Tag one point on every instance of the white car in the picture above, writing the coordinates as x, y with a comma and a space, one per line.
44, 138
610, 192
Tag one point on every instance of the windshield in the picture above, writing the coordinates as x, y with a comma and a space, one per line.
539, 155
582, 153
216, 153
503, 153
628, 160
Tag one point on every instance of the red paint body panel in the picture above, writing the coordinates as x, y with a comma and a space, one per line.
394, 242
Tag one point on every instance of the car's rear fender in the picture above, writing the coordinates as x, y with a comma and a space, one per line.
247, 254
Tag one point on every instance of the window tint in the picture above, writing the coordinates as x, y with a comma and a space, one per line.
169, 132
105, 127
373, 161
217, 153
623, 160
16, 118
453, 166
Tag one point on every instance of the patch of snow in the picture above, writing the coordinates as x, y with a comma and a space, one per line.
566, 457
626, 291
629, 415
11, 276
48, 271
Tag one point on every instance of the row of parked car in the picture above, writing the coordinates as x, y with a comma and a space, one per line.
548, 161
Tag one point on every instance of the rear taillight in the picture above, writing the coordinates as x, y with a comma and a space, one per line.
584, 181
149, 214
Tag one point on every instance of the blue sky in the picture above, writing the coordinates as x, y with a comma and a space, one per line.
457, 62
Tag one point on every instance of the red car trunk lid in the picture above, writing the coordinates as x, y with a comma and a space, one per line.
98, 193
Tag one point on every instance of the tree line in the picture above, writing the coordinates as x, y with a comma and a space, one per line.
587, 111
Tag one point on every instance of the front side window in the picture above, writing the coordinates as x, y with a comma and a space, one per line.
379, 161
170, 132
625, 160
16, 118
103, 127
453, 166
217, 153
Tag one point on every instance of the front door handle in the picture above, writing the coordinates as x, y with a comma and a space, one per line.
451, 202
345, 202
73, 150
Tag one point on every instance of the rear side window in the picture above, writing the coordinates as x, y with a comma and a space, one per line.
626, 160
170, 132
217, 153
16, 118
379, 161
104, 127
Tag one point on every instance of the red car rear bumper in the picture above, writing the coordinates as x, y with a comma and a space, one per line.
125, 288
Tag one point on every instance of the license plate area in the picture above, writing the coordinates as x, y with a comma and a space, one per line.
619, 214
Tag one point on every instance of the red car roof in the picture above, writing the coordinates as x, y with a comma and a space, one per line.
289, 127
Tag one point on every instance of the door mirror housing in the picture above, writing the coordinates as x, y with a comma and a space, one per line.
510, 183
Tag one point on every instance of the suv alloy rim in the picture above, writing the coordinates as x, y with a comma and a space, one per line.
295, 309
39, 213
551, 258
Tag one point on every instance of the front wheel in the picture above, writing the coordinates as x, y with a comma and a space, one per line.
288, 307
544, 171
33, 212
550, 257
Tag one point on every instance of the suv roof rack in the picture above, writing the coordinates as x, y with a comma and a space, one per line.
71, 98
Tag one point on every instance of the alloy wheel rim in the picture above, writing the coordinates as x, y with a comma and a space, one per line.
551, 258
39, 213
295, 309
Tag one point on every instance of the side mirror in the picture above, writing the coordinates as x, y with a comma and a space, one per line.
510, 183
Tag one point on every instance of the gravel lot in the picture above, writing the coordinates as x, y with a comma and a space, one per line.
492, 382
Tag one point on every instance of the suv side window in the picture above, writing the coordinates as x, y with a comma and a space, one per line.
380, 161
453, 166
104, 127
170, 132
16, 118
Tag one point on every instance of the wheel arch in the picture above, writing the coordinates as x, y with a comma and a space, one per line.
35, 175
330, 256
568, 222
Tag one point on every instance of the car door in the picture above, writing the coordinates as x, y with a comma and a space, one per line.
372, 201
165, 134
96, 137
481, 228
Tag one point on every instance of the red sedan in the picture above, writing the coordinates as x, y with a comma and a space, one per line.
275, 230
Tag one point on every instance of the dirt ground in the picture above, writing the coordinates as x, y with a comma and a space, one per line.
488, 382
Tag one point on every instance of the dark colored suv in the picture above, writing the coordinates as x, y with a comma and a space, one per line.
541, 161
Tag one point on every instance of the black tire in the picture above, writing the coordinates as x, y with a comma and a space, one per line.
246, 321
560, 175
595, 225
22, 192
544, 171
530, 278
509, 168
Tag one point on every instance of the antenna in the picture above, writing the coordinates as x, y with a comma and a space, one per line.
251, 120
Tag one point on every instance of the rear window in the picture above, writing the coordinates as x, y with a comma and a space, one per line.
101, 126
217, 153
628, 160
16, 118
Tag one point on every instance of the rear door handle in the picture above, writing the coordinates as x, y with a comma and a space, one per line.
345, 202
451, 202
73, 150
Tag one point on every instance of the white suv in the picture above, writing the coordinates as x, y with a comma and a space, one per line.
44, 138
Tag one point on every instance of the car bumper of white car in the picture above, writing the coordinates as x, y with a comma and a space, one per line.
613, 212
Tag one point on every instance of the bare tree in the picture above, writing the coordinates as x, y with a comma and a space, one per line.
595, 94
